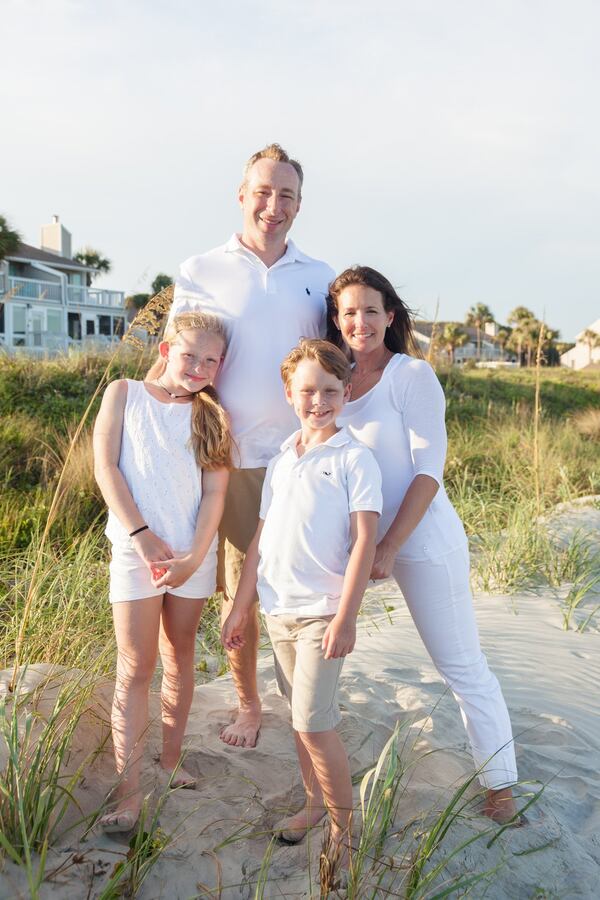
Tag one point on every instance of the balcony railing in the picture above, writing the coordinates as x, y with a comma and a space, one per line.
31, 289
78, 295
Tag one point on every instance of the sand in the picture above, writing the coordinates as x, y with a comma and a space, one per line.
550, 679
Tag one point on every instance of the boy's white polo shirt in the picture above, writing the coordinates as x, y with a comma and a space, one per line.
306, 505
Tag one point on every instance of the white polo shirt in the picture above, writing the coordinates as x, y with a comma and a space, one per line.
306, 505
266, 311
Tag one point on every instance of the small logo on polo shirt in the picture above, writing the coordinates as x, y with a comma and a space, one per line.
325, 473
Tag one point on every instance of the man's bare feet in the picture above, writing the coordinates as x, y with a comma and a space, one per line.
501, 808
244, 730
293, 829
125, 815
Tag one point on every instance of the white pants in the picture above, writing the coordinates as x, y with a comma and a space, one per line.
438, 596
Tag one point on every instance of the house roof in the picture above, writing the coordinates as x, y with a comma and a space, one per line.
27, 252
595, 326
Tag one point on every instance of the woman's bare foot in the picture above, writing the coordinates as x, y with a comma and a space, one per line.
292, 829
244, 730
501, 808
124, 816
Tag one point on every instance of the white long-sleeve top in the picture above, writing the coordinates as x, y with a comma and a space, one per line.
401, 419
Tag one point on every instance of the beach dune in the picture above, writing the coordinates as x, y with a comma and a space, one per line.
220, 832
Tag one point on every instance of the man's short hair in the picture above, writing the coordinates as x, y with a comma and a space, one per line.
327, 355
276, 152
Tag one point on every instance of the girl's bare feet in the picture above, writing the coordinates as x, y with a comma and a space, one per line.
501, 808
292, 829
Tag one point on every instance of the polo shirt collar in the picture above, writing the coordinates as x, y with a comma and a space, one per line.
338, 439
292, 253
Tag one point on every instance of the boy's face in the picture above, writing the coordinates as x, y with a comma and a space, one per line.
317, 397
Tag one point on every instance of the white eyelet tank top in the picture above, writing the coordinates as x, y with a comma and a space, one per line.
158, 464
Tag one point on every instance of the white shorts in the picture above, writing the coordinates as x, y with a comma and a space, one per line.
130, 579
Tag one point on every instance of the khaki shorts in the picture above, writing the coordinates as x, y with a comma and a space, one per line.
305, 677
238, 526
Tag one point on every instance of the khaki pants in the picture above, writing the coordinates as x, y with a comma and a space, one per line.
238, 526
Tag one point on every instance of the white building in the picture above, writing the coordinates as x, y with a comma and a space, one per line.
484, 348
582, 355
46, 304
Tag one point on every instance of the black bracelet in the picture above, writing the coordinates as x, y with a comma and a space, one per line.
137, 530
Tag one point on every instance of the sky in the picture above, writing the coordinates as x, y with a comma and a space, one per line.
452, 145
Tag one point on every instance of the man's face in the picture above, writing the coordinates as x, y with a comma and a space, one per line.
270, 200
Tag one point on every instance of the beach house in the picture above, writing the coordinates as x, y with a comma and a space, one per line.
47, 303
485, 348
586, 351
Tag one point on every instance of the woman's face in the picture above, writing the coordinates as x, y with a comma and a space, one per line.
361, 318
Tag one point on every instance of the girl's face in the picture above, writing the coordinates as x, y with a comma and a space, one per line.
193, 359
361, 318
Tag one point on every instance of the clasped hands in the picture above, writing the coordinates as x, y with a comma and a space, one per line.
168, 568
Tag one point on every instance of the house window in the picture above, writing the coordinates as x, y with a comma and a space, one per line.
90, 326
18, 323
54, 321
104, 325
74, 326
1, 318
118, 323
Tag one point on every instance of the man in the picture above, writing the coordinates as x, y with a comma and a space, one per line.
270, 294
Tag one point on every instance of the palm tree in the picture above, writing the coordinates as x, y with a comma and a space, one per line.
452, 337
518, 314
477, 317
522, 338
9, 239
93, 258
161, 281
592, 340
502, 336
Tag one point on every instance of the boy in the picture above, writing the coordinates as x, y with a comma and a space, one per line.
310, 560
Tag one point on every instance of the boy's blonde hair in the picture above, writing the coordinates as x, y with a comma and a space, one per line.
211, 439
325, 353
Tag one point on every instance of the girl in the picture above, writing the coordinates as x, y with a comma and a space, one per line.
162, 456
397, 410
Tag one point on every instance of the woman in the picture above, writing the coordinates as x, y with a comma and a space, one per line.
397, 409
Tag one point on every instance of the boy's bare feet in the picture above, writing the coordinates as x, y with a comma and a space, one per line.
125, 815
181, 779
501, 808
293, 829
334, 864
244, 730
